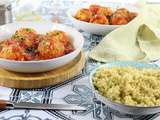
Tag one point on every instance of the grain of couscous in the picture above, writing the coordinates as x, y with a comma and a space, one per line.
129, 85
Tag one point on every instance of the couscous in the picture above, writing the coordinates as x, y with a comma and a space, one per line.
129, 85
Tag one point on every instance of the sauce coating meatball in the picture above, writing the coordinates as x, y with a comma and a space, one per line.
94, 8
98, 14
106, 11
83, 15
50, 48
26, 45
99, 19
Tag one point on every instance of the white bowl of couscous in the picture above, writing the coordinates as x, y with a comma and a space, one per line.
128, 87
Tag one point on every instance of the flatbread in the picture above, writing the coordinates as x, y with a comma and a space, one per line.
137, 41
120, 44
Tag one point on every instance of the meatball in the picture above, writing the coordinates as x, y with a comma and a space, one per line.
69, 48
24, 42
27, 33
106, 11
12, 52
118, 19
122, 16
123, 12
26, 37
63, 38
83, 15
50, 48
60, 36
94, 8
99, 19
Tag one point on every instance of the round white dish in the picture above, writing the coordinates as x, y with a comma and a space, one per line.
42, 65
133, 110
92, 28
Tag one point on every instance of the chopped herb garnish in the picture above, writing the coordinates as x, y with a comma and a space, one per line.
44, 42
19, 37
29, 29
30, 49
57, 33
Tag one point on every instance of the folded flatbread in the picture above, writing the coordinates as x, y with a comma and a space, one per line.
139, 40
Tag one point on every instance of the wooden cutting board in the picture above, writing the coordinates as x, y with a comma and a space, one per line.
39, 80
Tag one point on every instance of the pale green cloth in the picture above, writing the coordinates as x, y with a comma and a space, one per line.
137, 41
28, 16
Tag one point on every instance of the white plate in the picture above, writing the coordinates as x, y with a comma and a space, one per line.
8, 30
98, 29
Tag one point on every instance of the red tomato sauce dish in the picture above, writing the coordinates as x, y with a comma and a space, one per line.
27, 45
105, 15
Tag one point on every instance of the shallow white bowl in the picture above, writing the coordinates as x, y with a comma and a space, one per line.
42, 65
122, 108
92, 28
